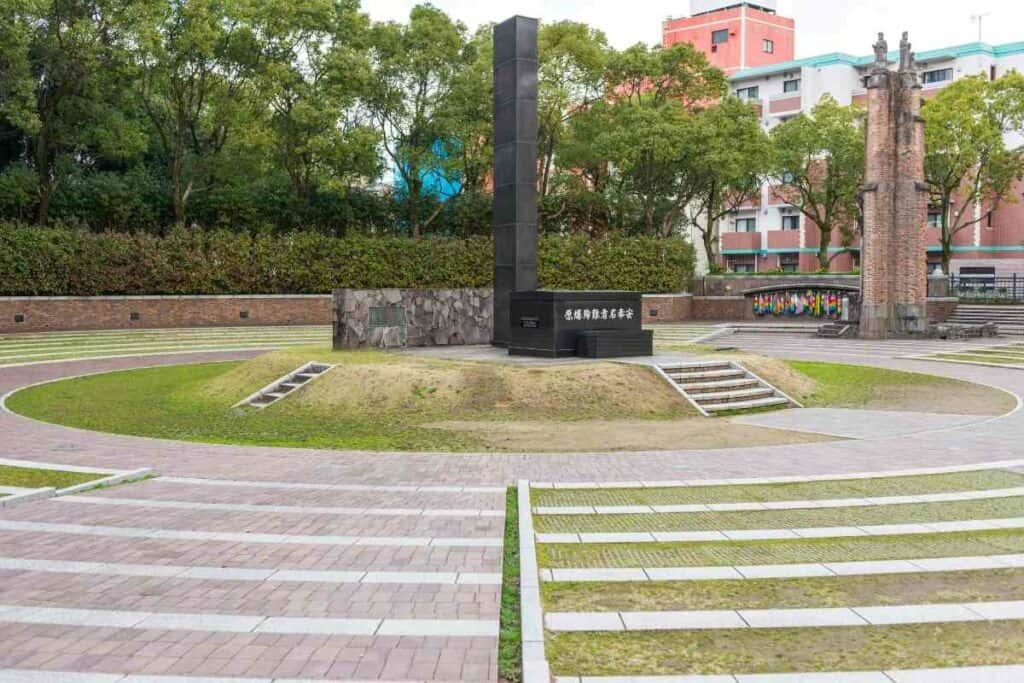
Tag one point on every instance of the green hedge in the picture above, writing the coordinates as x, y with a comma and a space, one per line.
64, 262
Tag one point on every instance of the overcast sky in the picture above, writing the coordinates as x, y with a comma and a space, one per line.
822, 25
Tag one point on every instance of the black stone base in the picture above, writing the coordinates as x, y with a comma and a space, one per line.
547, 324
614, 344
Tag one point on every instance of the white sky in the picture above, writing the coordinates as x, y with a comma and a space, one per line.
822, 25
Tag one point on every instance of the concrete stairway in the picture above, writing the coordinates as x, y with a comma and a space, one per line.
723, 386
1010, 319
285, 386
835, 330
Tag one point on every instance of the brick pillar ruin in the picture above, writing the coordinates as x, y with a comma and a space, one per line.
894, 271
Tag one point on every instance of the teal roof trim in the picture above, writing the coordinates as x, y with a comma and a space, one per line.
837, 58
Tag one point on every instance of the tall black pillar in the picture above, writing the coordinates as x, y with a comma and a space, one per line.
515, 166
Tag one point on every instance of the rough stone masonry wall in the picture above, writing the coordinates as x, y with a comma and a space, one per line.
433, 317
47, 314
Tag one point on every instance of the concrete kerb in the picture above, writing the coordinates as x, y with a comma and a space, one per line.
535, 664
27, 497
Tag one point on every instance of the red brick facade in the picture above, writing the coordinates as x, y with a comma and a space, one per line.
894, 280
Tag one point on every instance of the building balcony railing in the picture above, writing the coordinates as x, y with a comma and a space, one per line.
741, 241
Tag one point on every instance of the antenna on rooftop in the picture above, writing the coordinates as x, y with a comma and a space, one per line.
979, 20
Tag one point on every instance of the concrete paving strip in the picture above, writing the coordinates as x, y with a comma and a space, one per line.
284, 539
249, 574
32, 464
285, 509
230, 623
977, 674
10, 490
27, 676
950, 497
300, 486
783, 534
220, 349
783, 571
797, 479
699, 620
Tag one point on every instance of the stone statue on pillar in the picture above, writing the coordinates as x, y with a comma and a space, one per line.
906, 54
881, 52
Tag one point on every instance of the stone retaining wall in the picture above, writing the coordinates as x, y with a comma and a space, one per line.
45, 314
412, 317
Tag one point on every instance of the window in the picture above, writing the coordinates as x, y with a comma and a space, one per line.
937, 76
787, 178
789, 263
746, 225
934, 219
791, 222
768, 46
751, 93
740, 264
719, 37
791, 86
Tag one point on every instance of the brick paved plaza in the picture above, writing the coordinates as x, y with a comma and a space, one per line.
274, 563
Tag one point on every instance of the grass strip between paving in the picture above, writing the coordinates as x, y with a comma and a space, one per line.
854, 648
29, 478
913, 513
510, 637
821, 490
836, 591
798, 551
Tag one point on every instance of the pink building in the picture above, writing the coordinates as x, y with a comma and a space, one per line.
734, 35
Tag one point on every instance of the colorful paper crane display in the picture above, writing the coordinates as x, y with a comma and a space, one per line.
809, 303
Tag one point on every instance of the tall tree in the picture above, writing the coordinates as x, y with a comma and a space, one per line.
414, 70
195, 61
726, 161
571, 68
60, 61
637, 134
819, 167
969, 166
314, 67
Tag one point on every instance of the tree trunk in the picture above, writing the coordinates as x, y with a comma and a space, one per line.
44, 186
824, 262
708, 237
177, 200
946, 238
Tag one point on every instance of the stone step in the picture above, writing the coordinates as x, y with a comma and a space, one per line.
705, 387
697, 367
747, 405
734, 396
709, 374
285, 386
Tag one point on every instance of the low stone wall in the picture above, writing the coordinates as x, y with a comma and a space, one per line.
723, 308
667, 308
941, 309
44, 314
394, 318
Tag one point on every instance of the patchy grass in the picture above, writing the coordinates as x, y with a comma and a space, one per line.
813, 490
912, 513
797, 551
852, 386
855, 648
29, 478
510, 636
833, 591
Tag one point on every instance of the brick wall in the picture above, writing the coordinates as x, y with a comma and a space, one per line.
41, 314
667, 308
723, 308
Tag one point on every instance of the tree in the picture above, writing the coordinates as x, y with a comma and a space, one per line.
728, 157
969, 168
468, 114
819, 164
195, 62
637, 136
571, 67
414, 70
315, 65
60, 62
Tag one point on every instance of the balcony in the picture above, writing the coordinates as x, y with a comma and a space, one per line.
744, 242
783, 239
785, 103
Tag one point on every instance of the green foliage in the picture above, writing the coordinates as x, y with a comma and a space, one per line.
967, 160
510, 637
819, 161
68, 262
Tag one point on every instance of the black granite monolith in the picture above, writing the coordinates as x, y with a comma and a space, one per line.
515, 166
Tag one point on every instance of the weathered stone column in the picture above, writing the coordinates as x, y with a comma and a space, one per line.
515, 166
894, 270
